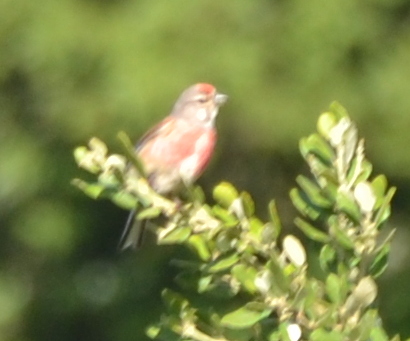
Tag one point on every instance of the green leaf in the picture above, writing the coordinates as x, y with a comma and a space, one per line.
175, 302
280, 282
177, 235
149, 213
340, 236
301, 202
245, 275
311, 231
204, 284
228, 219
313, 192
334, 288
366, 171
224, 194
317, 146
124, 200
339, 111
256, 229
274, 217
223, 263
94, 191
129, 151
384, 211
323, 335
244, 317
248, 204
378, 334
379, 186
325, 123
364, 327
345, 202
380, 262
200, 246
327, 255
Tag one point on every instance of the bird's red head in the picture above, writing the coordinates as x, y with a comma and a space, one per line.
199, 104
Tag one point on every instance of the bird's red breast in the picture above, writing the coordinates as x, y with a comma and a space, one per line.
176, 148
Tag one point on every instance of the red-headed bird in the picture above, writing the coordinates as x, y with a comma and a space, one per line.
176, 151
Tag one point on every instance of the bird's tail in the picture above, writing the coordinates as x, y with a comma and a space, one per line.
132, 235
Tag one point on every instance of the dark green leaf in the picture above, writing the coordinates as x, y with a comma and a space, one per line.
346, 203
129, 150
327, 255
313, 192
274, 217
317, 146
175, 302
311, 231
339, 234
301, 202
380, 262
248, 204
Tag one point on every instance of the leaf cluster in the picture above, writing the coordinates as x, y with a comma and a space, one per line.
237, 255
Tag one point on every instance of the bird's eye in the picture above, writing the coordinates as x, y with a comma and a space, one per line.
202, 99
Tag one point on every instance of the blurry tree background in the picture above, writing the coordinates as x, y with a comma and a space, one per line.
72, 69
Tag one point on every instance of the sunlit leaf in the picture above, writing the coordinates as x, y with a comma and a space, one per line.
379, 185
246, 276
324, 335
124, 200
333, 288
224, 194
177, 235
148, 213
325, 123
94, 191
244, 317
327, 256
384, 211
223, 263
198, 243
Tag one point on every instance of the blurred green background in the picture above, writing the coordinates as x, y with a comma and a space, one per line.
72, 69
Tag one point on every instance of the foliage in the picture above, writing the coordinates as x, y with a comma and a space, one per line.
342, 208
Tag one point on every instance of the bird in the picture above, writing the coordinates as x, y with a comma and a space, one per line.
176, 151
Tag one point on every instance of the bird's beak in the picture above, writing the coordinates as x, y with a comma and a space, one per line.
220, 99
